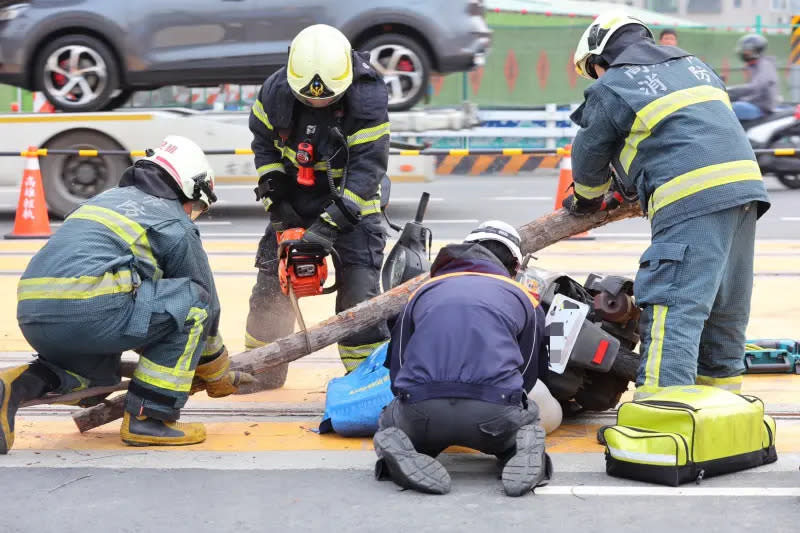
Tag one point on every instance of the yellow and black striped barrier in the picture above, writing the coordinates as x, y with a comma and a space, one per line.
474, 162
794, 54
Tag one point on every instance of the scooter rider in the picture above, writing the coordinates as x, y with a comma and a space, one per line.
321, 123
759, 96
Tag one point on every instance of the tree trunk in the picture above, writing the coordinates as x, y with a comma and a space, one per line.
535, 235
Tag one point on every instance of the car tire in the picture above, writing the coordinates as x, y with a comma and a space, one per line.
92, 91
70, 180
791, 181
407, 80
122, 97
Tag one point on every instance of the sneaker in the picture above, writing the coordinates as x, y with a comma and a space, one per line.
409, 468
530, 466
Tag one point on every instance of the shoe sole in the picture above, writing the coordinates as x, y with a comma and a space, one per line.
601, 439
159, 443
4, 445
527, 467
419, 472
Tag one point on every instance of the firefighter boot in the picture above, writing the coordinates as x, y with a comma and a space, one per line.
147, 431
216, 377
530, 466
17, 385
407, 467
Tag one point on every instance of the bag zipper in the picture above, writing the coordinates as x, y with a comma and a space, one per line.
660, 433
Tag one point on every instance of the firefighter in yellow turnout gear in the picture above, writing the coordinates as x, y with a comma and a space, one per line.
127, 271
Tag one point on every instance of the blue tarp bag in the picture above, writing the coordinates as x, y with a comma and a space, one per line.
354, 402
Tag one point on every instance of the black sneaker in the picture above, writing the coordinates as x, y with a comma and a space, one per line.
409, 468
530, 466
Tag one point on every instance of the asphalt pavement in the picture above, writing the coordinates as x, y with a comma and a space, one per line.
458, 203
264, 468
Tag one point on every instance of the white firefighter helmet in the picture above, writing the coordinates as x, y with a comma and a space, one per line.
186, 163
498, 231
595, 38
320, 66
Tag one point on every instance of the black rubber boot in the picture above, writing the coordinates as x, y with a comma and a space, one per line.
530, 466
407, 467
17, 385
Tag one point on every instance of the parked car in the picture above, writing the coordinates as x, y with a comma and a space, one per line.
91, 55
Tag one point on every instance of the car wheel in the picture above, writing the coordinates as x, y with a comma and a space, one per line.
69, 180
120, 99
405, 66
77, 73
792, 181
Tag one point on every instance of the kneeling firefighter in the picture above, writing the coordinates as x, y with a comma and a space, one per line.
321, 142
464, 351
127, 271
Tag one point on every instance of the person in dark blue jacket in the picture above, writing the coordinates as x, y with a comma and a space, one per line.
462, 354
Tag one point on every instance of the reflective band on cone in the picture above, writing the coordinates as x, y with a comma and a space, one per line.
31, 220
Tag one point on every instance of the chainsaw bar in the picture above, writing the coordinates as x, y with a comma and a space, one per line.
299, 315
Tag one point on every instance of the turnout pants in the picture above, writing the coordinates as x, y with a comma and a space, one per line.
433, 425
694, 283
358, 276
87, 353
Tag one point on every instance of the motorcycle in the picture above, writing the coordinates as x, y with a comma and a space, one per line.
593, 330
780, 129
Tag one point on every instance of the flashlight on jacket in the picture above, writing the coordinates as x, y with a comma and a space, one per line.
305, 160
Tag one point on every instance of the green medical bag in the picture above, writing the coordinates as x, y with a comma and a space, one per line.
687, 433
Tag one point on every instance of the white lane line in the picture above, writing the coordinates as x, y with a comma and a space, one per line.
403, 200
621, 235
522, 198
214, 223
599, 490
790, 219
453, 221
7, 206
231, 235
231, 187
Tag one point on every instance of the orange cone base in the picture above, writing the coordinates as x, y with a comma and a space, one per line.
13, 235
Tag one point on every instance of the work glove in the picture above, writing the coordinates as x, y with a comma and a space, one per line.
322, 233
282, 216
612, 201
580, 206
216, 377
272, 188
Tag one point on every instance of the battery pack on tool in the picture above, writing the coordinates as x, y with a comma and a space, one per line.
302, 265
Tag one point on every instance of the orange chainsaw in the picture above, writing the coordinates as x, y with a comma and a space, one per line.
302, 269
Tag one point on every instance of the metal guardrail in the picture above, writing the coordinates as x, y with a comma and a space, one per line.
565, 151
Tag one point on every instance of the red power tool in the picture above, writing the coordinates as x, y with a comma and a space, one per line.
302, 269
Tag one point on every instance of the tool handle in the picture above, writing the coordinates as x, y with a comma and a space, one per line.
786, 366
422, 207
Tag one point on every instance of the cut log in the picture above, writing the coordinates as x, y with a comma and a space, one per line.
535, 235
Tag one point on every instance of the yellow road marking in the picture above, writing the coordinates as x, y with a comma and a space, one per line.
45, 434
70, 117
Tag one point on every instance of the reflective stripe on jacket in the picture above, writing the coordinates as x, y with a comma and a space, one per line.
670, 133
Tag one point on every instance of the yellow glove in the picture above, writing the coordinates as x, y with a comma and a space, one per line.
216, 377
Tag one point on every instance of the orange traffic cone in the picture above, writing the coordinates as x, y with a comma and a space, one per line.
564, 182
31, 221
41, 104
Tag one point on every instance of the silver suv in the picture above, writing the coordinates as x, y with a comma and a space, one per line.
91, 55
